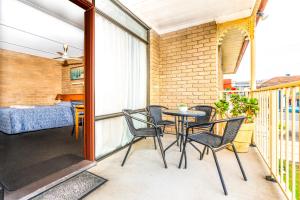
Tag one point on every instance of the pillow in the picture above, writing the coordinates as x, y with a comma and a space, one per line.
21, 107
74, 103
64, 103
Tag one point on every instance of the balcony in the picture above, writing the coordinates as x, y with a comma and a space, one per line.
144, 177
144, 57
187, 65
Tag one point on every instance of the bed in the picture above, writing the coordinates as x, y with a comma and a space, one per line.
21, 120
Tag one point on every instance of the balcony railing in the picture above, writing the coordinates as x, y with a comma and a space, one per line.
276, 136
226, 94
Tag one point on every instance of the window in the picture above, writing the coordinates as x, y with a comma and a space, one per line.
111, 10
120, 82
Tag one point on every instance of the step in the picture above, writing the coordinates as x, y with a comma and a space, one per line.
49, 181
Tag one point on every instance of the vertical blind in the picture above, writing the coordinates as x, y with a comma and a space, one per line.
120, 82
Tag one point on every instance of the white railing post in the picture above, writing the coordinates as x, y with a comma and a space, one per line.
293, 143
275, 126
299, 137
287, 97
272, 132
281, 134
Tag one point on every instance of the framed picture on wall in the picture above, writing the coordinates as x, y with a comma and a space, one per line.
77, 73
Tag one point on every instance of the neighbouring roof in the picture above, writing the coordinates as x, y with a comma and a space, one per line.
279, 80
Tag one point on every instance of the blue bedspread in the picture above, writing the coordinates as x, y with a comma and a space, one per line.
15, 120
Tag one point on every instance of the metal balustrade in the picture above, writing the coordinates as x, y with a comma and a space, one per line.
276, 135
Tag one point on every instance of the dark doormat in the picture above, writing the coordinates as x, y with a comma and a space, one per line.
13, 180
74, 188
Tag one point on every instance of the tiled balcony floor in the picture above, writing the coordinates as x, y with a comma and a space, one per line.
144, 178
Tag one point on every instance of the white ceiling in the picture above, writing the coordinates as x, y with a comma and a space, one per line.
171, 15
41, 27
61, 9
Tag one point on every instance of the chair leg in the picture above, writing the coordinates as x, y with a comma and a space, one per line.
219, 172
176, 131
162, 151
124, 160
154, 143
180, 142
203, 152
239, 162
185, 159
73, 130
82, 130
169, 146
183, 154
196, 148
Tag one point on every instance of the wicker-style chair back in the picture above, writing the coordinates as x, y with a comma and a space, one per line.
155, 112
210, 113
127, 115
231, 129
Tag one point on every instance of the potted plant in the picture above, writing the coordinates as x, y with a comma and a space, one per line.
222, 107
236, 105
183, 107
249, 108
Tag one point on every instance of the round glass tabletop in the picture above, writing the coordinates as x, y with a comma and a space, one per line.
188, 113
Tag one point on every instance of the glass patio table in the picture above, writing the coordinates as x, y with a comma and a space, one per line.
183, 119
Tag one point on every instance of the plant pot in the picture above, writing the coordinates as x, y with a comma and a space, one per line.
243, 138
219, 128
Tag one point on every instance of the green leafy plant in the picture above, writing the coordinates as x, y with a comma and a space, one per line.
250, 108
237, 107
240, 105
182, 105
222, 106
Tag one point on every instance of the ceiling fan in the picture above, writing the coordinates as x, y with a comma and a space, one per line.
65, 58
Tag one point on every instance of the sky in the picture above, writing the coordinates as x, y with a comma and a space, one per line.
277, 43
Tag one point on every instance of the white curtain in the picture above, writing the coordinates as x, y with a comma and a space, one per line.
120, 82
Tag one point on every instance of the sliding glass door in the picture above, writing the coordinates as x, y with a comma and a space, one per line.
120, 77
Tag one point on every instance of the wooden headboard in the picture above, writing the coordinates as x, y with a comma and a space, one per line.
70, 97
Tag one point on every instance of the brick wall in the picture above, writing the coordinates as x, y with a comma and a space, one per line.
28, 80
154, 67
68, 86
187, 62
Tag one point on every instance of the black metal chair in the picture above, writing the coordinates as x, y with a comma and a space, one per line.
155, 112
152, 130
216, 142
210, 114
